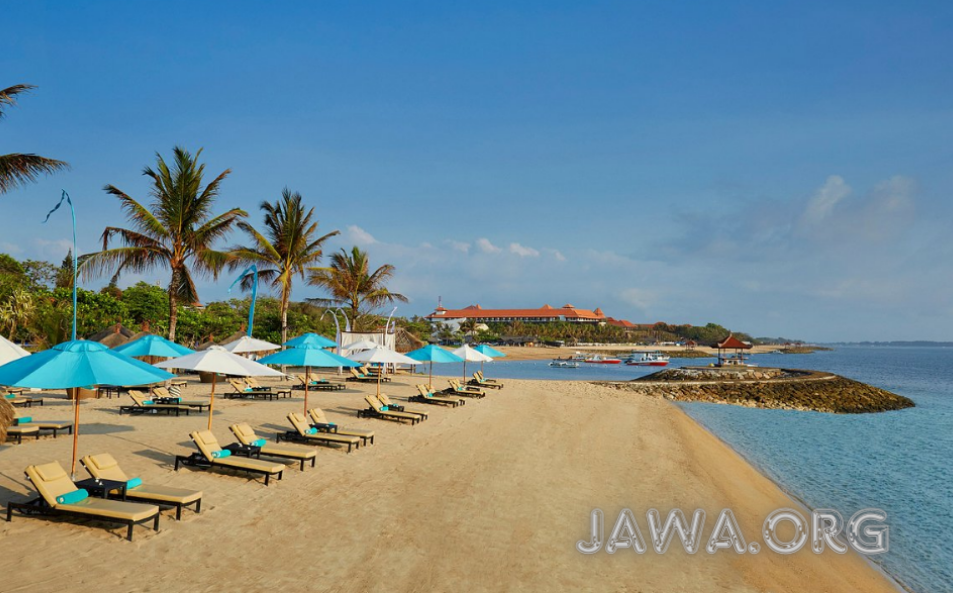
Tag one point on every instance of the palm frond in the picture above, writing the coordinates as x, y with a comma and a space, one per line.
20, 169
9, 94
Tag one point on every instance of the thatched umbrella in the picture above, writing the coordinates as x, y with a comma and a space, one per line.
7, 414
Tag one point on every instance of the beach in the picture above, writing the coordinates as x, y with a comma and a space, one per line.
490, 496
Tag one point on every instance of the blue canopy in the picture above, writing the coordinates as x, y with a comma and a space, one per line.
79, 363
489, 351
311, 339
433, 353
152, 345
308, 356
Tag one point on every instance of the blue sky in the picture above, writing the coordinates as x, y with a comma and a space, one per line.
780, 168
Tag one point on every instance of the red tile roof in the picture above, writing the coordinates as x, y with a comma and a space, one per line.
733, 343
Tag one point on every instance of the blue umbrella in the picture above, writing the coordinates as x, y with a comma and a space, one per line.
311, 339
152, 345
488, 351
433, 354
79, 363
307, 356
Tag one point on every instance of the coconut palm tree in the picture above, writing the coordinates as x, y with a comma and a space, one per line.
350, 284
177, 230
287, 248
18, 169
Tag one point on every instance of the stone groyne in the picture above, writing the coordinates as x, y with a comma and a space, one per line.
754, 387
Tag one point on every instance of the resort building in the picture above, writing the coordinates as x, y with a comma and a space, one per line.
544, 314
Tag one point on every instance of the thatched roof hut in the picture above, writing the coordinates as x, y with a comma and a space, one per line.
404, 341
114, 335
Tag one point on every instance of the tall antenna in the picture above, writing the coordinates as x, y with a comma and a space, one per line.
439, 301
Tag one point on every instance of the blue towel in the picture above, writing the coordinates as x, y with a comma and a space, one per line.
23, 420
148, 402
72, 497
383, 408
10, 395
133, 483
312, 430
221, 454
259, 443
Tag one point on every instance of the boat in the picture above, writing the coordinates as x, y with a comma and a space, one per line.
599, 359
647, 359
561, 363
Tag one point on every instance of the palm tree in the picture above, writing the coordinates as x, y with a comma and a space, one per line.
352, 286
19, 169
288, 247
177, 230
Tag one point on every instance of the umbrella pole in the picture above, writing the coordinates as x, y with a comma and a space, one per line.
430, 385
464, 370
307, 381
211, 401
378, 385
72, 471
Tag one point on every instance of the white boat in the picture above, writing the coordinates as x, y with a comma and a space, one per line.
564, 364
647, 359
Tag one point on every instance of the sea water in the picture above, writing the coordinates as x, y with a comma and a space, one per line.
901, 462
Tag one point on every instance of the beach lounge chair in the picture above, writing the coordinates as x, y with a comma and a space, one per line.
467, 391
378, 410
18, 432
391, 405
316, 383
373, 372
360, 377
246, 436
59, 496
243, 391
211, 455
426, 396
305, 433
321, 422
104, 467
166, 396
480, 381
43, 425
142, 405
20, 400
278, 391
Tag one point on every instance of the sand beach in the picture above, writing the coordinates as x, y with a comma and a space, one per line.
491, 496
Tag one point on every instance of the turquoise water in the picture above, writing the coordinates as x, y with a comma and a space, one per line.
901, 462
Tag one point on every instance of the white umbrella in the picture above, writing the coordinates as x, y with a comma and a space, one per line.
469, 354
249, 344
364, 345
218, 360
10, 351
382, 355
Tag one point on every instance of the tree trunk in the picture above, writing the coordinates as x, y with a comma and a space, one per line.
173, 316
285, 298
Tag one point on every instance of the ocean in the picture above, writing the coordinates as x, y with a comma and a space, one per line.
896, 461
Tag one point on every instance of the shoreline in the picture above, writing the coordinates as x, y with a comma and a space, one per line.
507, 481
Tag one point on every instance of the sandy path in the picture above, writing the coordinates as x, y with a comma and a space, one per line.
488, 497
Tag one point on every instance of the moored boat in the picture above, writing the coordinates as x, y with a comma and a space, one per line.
599, 359
647, 359
561, 363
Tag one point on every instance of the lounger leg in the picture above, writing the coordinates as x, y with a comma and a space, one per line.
129, 531
267, 476
198, 506
281, 474
302, 466
178, 512
155, 524
313, 459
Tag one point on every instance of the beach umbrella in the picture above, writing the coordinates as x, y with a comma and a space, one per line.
246, 344
311, 339
364, 345
469, 354
489, 351
307, 356
433, 354
10, 351
217, 360
152, 345
382, 356
78, 363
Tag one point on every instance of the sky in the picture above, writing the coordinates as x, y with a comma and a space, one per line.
779, 168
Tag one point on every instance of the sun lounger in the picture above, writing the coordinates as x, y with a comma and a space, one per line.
373, 372
378, 410
55, 426
391, 405
212, 455
59, 496
141, 405
467, 391
18, 432
359, 377
20, 400
305, 433
426, 396
104, 467
320, 421
278, 391
480, 381
164, 394
243, 391
246, 436
322, 384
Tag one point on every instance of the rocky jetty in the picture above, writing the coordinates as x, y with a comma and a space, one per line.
754, 387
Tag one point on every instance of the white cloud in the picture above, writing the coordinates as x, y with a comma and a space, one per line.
359, 236
459, 246
824, 200
638, 297
523, 251
485, 246
557, 255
